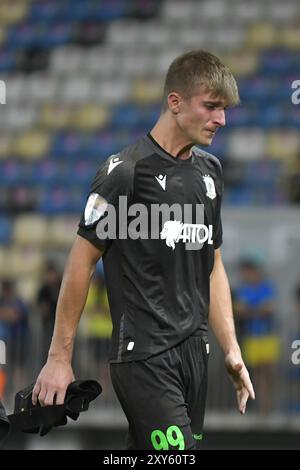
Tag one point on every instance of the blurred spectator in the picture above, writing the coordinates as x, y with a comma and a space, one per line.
297, 299
293, 403
254, 307
294, 182
47, 301
98, 330
2, 382
14, 328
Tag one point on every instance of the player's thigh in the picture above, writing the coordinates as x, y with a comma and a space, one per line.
154, 406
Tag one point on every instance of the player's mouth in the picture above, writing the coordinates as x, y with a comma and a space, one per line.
211, 132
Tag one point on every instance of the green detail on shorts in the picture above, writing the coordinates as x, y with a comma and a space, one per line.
198, 437
173, 437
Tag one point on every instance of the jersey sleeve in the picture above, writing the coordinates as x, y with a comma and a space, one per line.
113, 179
218, 232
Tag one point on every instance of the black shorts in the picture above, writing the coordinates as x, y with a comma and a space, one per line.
164, 397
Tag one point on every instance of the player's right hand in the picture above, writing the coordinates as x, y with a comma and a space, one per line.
52, 382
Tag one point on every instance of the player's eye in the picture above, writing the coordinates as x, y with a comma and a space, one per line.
210, 106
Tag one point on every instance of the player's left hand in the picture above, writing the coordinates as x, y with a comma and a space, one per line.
240, 378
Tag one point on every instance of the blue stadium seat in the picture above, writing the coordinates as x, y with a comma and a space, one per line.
270, 116
54, 200
69, 144
10, 171
24, 35
276, 62
82, 171
46, 171
48, 10
111, 10
5, 230
7, 60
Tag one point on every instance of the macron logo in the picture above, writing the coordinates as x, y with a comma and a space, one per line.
113, 163
162, 181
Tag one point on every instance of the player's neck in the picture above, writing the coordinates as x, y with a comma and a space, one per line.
169, 137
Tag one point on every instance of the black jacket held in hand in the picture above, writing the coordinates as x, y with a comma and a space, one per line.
37, 419
4, 423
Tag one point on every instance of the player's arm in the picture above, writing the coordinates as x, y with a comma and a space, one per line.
222, 323
57, 373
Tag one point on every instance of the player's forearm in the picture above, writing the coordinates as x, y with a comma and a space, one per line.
221, 316
71, 301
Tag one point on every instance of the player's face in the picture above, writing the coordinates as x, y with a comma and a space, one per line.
200, 117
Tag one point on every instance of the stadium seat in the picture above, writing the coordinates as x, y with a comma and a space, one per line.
56, 116
247, 144
124, 33
13, 12
283, 144
30, 229
242, 61
32, 144
146, 91
188, 37
62, 230
290, 37
262, 35
18, 118
283, 12
7, 60
90, 117
225, 38
76, 89
2, 34
67, 60
246, 12
11, 171
5, 230
67, 144
110, 92
178, 12
42, 87
212, 10
102, 61
6, 142
24, 260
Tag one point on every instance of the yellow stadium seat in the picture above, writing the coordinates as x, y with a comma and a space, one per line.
62, 231
283, 144
290, 37
262, 35
12, 12
90, 117
147, 91
242, 62
5, 145
30, 229
25, 260
4, 265
2, 34
32, 145
56, 116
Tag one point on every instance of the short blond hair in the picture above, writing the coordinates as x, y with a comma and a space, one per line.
195, 69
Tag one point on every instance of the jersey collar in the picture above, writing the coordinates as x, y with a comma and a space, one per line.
161, 151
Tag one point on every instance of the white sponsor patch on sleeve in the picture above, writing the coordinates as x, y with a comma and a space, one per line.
94, 209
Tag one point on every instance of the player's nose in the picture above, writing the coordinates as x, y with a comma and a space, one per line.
219, 118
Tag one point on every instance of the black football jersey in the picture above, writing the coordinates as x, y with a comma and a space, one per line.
157, 218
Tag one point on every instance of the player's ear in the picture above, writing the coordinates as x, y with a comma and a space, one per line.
174, 100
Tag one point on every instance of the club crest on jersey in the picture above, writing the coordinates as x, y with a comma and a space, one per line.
210, 186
